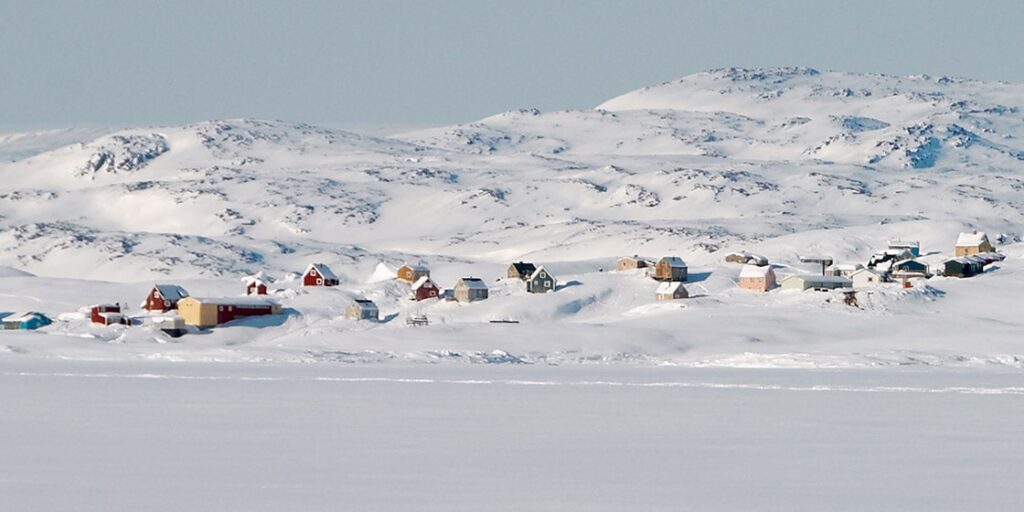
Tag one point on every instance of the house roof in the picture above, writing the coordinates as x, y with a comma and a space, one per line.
670, 287
846, 266
422, 281
323, 270
821, 279
171, 291
971, 239
537, 271
236, 301
524, 268
24, 317
755, 271
909, 260
416, 268
364, 303
473, 283
674, 261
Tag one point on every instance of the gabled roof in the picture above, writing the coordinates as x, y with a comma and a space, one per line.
523, 268
423, 281
846, 266
416, 268
474, 283
236, 301
323, 270
249, 280
909, 260
364, 303
755, 271
971, 239
674, 261
670, 287
24, 317
171, 291
538, 270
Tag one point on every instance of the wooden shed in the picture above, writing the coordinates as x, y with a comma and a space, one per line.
965, 266
210, 312
412, 273
362, 309
318, 274
670, 268
671, 290
520, 270
910, 268
424, 288
757, 278
632, 263
470, 289
164, 297
541, 281
975, 242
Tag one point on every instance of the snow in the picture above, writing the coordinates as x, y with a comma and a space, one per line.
971, 239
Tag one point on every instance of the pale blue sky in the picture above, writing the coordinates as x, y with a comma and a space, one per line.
407, 63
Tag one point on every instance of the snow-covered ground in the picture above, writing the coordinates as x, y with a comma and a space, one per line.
190, 436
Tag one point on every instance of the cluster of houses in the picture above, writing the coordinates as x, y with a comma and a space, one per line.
898, 262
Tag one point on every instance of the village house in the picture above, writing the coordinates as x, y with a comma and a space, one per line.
318, 274
914, 248
631, 263
520, 270
867, 278
210, 312
815, 282
255, 286
26, 321
541, 281
889, 256
843, 269
424, 288
362, 309
164, 297
966, 266
910, 268
975, 242
670, 268
173, 326
470, 289
671, 290
746, 258
753, 277
412, 273
107, 314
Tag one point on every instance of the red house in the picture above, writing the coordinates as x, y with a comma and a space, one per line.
107, 314
164, 297
255, 286
424, 289
318, 274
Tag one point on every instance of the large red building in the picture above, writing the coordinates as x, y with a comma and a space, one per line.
164, 297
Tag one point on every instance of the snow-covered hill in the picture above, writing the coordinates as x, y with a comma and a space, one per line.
781, 162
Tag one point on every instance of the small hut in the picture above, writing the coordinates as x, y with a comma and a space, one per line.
107, 314
412, 273
520, 270
757, 278
671, 290
632, 263
541, 281
318, 274
255, 285
424, 288
470, 289
362, 309
670, 268
867, 278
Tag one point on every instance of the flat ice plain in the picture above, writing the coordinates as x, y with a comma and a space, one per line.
107, 436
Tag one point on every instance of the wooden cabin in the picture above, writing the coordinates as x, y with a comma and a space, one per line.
164, 297
671, 290
632, 263
541, 281
362, 309
255, 286
470, 289
910, 268
424, 288
318, 274
210, 312
520, 270
412, 273
670, 268
975, 242
757, 278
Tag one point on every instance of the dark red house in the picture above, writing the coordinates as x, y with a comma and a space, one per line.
107, 314
318, 274
255, 286
164, 297
424, 288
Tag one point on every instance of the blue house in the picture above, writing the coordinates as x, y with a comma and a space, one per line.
26, 321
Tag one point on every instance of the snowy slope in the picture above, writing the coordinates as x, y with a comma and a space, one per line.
781, 162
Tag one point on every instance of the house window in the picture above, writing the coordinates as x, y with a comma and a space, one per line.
543, 275
547, 284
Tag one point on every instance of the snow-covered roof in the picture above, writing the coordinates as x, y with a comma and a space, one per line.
422, 281
171, 291
846, 266
908, 260
674, 261
417, 268
254, 280
523, 267
670, 287
971, 239
821, 279
364, 303
755, 271
323, 270
474, 283
105, 306
538, 271
22, 317
236, 301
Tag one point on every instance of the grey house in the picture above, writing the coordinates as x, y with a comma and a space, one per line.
362, 309
470, 289
541, 281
